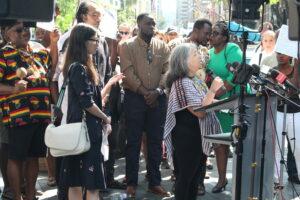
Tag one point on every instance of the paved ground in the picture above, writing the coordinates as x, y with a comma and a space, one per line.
50, 193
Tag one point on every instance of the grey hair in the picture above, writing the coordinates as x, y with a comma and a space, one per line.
178, 63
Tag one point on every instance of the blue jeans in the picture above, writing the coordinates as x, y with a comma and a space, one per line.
139, 117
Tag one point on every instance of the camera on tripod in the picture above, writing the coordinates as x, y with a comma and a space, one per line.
247, 9
28, 11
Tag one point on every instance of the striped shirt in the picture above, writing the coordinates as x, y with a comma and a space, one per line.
33, 104
184, 94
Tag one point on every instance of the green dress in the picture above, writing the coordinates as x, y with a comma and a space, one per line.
217, 63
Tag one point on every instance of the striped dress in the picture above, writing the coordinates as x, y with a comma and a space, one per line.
185, 93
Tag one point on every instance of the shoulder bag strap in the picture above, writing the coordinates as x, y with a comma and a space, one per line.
57, 107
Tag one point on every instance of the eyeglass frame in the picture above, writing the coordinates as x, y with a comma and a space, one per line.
94, 40
214, 33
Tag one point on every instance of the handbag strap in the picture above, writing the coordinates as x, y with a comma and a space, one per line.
62, 94
63, 89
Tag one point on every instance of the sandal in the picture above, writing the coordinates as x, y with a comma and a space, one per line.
201, 190
7, 194
51, 182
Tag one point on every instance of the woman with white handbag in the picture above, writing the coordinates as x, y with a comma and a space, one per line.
84, 171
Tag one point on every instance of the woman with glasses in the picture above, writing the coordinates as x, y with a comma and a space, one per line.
124, 32
85, 171
222, 54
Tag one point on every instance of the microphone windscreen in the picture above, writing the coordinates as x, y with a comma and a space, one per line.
279, 76
255, 69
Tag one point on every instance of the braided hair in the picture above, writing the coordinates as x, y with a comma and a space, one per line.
222, 25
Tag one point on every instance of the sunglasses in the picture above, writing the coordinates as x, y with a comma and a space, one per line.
149, 55
21, 29
123, 33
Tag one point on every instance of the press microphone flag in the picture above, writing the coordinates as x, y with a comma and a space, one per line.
280, 77
238, 29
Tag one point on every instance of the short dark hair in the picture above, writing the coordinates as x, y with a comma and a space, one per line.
141, 17
83, 9
199, 24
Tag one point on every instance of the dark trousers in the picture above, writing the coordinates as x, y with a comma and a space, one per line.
140, 117
189, 159
109, 164
291, 163
114, 109
62, 191
202, 169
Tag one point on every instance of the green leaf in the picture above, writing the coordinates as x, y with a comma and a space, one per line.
67, 13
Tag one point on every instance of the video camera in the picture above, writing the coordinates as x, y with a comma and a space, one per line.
248, 9
26, 10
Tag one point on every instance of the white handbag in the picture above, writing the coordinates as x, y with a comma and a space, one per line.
67, 139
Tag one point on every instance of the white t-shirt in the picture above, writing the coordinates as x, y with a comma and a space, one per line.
268, 59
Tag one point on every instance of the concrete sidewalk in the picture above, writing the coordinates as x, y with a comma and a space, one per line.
49, 193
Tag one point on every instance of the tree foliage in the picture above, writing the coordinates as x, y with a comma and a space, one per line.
127, 16
67, 15
128, 3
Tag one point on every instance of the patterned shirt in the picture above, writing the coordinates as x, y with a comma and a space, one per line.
185, 93
33, 104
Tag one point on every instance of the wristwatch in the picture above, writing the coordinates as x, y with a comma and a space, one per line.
160, 91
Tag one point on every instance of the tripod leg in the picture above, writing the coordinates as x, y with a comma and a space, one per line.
278, 147
293, 161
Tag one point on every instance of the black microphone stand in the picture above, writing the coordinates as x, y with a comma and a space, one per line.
258, 96
240, 130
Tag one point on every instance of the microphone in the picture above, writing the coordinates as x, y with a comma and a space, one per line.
282, 79
266, 71
210, 76
233, 67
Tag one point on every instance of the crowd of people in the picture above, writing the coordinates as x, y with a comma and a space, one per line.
142, 87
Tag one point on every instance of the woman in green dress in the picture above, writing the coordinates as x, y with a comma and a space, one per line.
222, 54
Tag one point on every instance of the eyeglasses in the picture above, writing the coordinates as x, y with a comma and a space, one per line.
21, 29
94, 40
94, 14
149, 55
123, 33
215, 33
